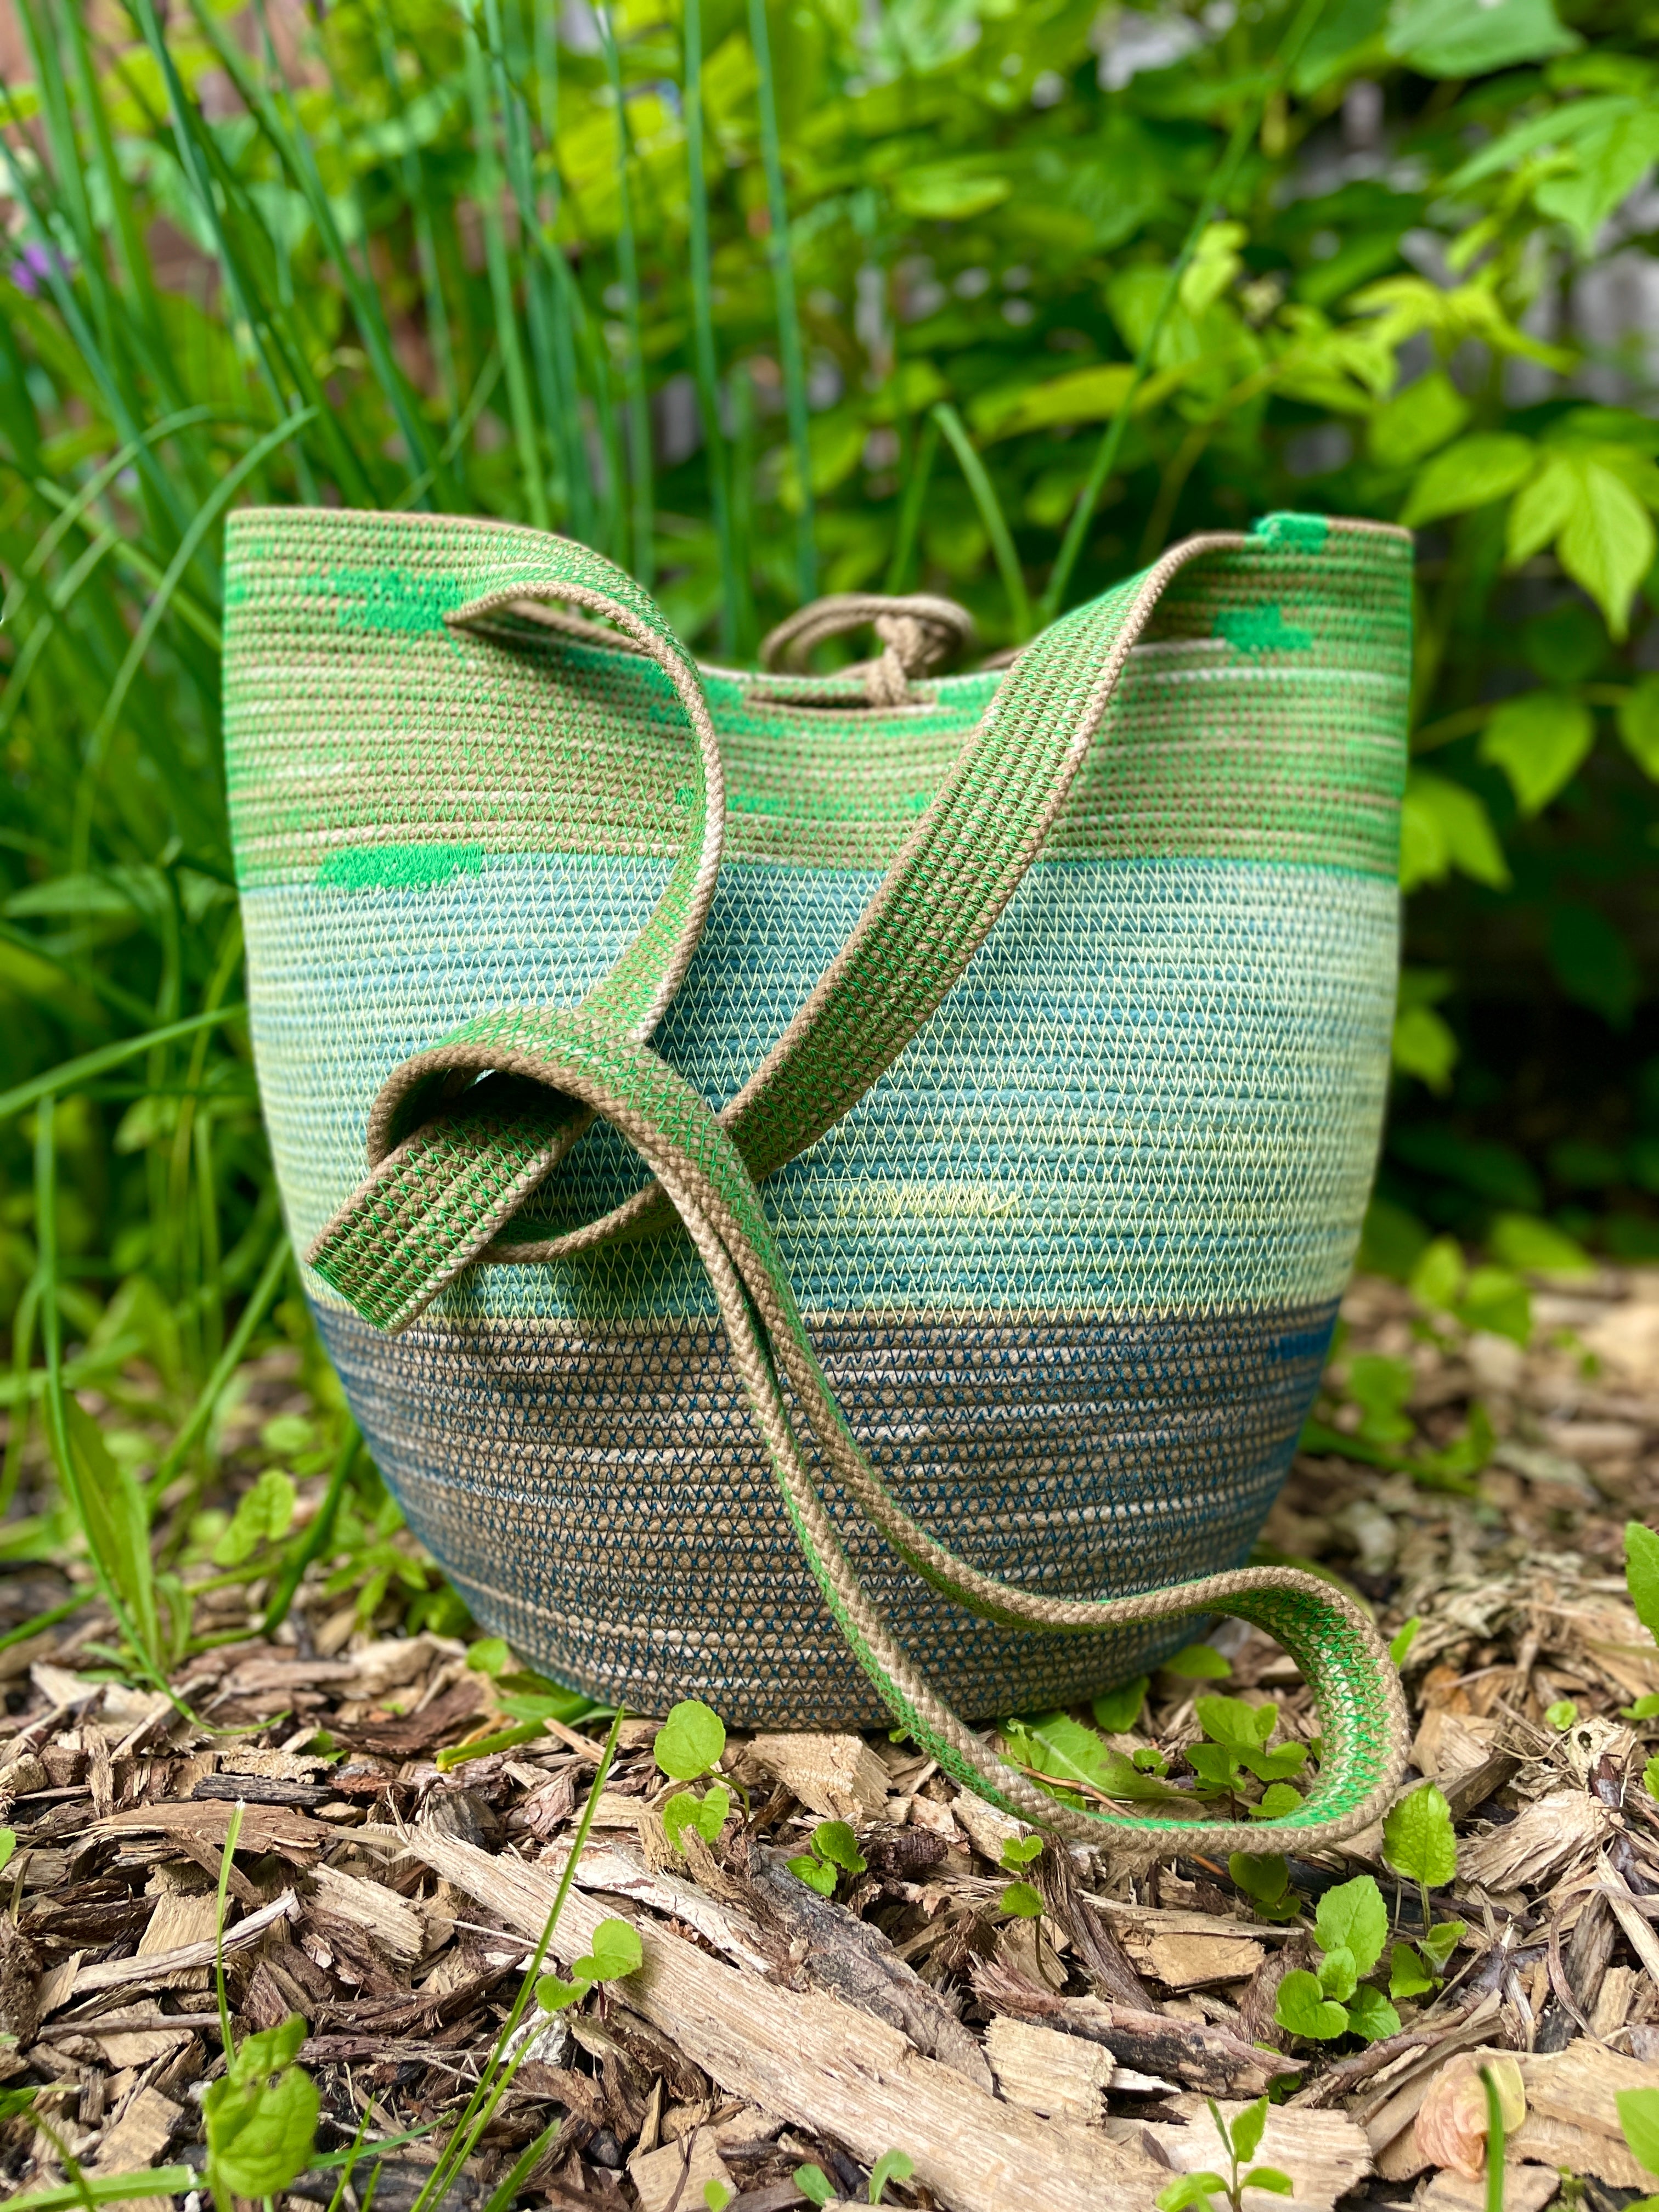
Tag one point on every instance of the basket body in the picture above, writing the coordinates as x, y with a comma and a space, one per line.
1070, 1264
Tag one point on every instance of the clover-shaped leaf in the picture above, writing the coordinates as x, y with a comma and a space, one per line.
1302, 2007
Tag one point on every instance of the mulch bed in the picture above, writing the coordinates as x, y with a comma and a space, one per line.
391, 1901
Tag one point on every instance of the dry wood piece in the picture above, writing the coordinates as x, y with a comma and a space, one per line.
1548, 1838
1189, 2051
837, 1777
1193, 1962
1526, 2189
861, 2085
1325, 2154
1049, 2071
677, 2174
155, 1971
142, 2132
395, 1927
1572, 2115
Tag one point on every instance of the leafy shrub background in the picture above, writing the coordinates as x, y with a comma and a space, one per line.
405, 251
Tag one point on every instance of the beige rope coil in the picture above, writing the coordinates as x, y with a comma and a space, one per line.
917, 634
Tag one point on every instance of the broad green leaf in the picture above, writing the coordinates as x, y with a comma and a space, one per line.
1602, 534
1444, 825
1495, 1298
1354, 1914
1278, 1800
262, 1516
1301, 2006
1408, 1977
1022, 1899
1450, 38
1197, 1662
1642, 1573
529, 1697
705, 1815
1643, 1708
117, 1521
271, 2050
7, 1844
814, 1873
1593, 961
1639, 2119
1408, 427
260, 2130
1562, 1714
489, 1656
834, 1841
1638, 724
1272, 2179
1217, 1764
1539, 741
1561, 126
1232, 1723
1650, 1778
1063, 1749
814, 2185
616, 1951
717, 2195
1522, 1240
949, 191
1336, 1974
891, 2166
1117, 1711
691, 1740
1610, 161
553, 1995
1441, 1941
1404, 1637
1423, 1045
1191, 2189
1437, 1281
1371, 2015
1471, 473
1245, 2133
1275, 1766
1418, 1840
1264, 1878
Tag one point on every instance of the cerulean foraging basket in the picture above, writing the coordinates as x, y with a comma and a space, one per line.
1046, 1009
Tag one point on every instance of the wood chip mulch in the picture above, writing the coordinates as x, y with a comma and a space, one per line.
1046, 2063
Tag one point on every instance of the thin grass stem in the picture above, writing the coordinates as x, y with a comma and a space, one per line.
990, 513
790, 352
639, 463
909, 521
702, 326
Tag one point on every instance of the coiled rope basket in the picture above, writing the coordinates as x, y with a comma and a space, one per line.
829, 1195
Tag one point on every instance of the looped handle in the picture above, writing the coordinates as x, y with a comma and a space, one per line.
917, 634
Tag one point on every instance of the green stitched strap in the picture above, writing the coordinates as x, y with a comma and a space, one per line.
1362, 1709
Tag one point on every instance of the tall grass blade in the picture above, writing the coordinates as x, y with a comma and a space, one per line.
74, 1074
909, 522
702, 327
640, 466
990, 513
568, 316
790, 352
489, 193
253, 1313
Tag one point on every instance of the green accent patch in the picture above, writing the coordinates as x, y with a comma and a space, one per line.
1306, 533
387, 598
1261, 630
398, 867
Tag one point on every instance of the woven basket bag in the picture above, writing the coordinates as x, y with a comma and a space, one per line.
829, 1195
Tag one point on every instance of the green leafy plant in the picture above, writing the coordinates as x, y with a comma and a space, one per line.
1638, 2122
1351, 1924
689, 1745
1265, 1879
1021, 1899
834, 1851
617, 1952
1235, 1751
1241, 2141
260, 2116
891, 2166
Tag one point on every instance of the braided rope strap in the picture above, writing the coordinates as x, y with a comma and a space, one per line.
449, 1170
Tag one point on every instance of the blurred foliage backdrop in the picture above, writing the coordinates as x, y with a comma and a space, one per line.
767, 297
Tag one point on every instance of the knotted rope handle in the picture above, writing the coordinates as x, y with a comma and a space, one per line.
917, 634
438, 1193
